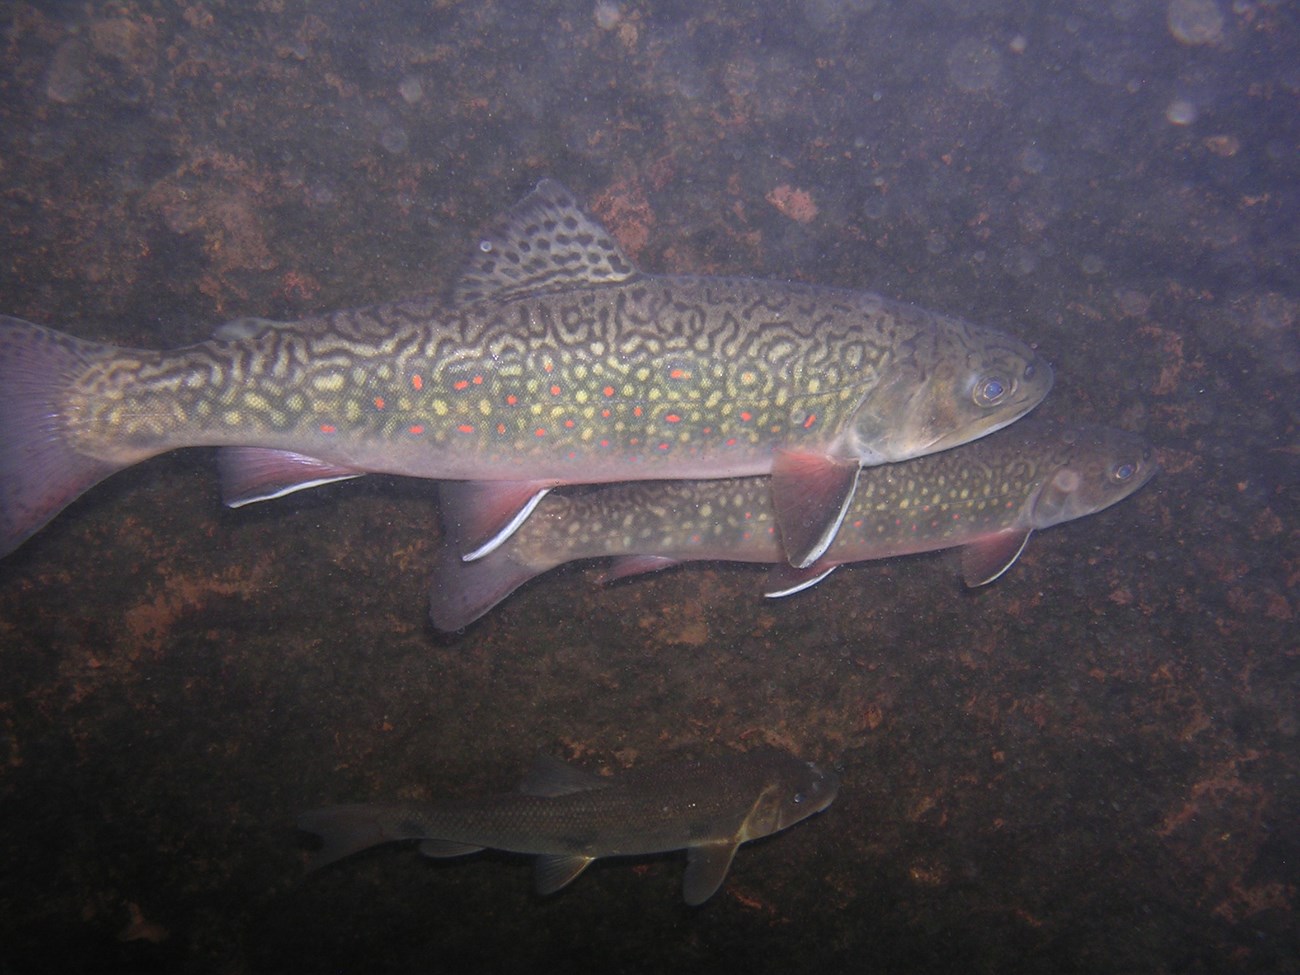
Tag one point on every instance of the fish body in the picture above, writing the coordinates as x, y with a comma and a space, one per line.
569, 818
556, 362
985, 497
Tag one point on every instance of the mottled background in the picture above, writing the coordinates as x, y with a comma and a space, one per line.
1089, 766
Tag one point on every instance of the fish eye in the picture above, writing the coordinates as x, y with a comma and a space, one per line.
1122, 472
990, 391
798, 798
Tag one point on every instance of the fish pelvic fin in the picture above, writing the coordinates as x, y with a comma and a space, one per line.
810, 494
41, 472
556, 871
250, 474
484, 514
706, 867
461, 591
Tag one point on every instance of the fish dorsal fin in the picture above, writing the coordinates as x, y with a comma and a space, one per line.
543, 243
551, 777
556, 870
810, 493
985, 560
783, 579
247, 327
706, 867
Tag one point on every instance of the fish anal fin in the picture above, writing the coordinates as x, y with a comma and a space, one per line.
706, 868
251, 474
985, 560
556, 871
483, 514
542, 243
439, 849
810, 493
634, 565
784, 579
461, 592
549, 776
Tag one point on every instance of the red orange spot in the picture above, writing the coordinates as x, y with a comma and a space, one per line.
608, 390
548, 365
555, 390
465, 428
673, 418
663, 446
478, 380
417, 429
379, 402
460, 384
417, 381
512, 399
746, 415
501, 428
604, 443
812, 418
604, 413
731, 442
568, 424
539, 432
636, 411
679, 374
708, 430
328, 428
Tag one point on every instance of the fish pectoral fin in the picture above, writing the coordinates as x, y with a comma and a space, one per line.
551, 777
783, 579
635, 565
542, 243
555, 871
446, 848
246, 327
251, 474
706, 867
810, 493
985, 560
480, 515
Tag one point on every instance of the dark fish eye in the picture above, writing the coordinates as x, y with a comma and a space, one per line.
1122, 472
989, 391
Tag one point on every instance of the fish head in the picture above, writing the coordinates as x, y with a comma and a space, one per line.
950, 384
792, 791
1098, 466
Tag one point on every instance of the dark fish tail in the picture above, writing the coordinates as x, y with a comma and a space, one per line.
345, 830
40, 471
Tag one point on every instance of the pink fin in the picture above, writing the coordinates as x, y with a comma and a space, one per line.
41, 473
460, 592
984, 561
785, 580
635, 565
251, 474
810, 493
483, 514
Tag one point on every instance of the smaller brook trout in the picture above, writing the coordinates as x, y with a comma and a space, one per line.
985, 497
568, 817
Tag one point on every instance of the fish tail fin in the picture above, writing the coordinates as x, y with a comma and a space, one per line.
345, 830
41, 472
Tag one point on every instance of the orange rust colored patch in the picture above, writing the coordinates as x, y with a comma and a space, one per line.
794, 203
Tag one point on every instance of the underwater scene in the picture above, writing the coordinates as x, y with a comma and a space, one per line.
650, 486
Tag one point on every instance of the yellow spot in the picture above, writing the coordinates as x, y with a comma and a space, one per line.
642, 374
814, 385
331, 382
296, 402
233, 418
255, 401
485, 407
440, 407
